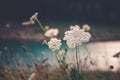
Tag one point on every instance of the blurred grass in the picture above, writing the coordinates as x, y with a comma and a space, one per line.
44, 72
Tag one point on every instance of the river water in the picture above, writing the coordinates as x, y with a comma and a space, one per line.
99, 54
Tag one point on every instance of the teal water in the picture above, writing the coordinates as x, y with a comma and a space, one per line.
12, 51
100, 53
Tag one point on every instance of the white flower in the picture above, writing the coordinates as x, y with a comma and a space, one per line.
86, 27
71, 44
51, 32
54, 44
47, 27
28, 23
76, 27
31, 76
34, 17
31, 21
75, 37
61, 52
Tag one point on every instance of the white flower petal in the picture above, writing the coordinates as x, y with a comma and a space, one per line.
51, 32
54, 44
76, 36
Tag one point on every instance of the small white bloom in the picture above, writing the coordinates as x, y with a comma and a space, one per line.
61, 52
34, 17
76, 27
51, 32
74, 37
44, 42
86, 27
54, 44
28, 23
31, 21
31, 76
47, 27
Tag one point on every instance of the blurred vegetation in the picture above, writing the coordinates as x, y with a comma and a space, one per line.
99, 32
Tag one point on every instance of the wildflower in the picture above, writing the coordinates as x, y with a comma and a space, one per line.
62, 52
26, 23
54, 44
34, 17
76, 27
31, 76
86, 27
74, 37
47, 27
31, 21
51, 32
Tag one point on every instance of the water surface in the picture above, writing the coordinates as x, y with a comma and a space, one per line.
99, 53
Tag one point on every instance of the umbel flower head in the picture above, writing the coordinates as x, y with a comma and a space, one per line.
34, 17
31, 21
76, 37
51, 32
54, 44
86, 27
76, 27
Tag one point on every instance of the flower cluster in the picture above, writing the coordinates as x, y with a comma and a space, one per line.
76, 27
73, 37
76, 36
86, 27
51, 32
54, 44
31, 20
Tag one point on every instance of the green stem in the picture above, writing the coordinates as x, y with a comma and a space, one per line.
40, 25
19, 68
59, 59
77, 60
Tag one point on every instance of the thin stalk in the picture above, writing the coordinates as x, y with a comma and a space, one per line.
77, 61
19, 68
30, 53
40, 25
59, 59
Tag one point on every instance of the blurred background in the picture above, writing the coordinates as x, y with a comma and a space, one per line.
95, 11
102, 15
